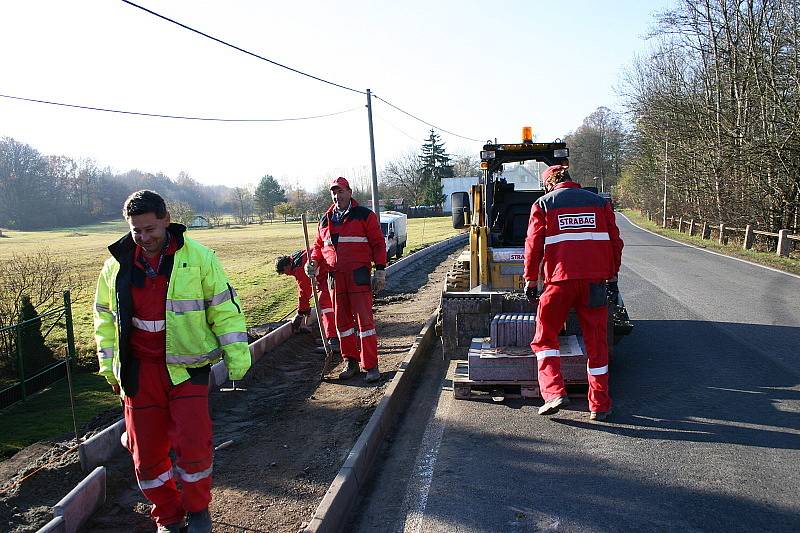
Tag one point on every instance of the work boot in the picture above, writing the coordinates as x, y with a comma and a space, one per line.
199, 522
178, 527
600, 416
552, 406
373, 374
351, 370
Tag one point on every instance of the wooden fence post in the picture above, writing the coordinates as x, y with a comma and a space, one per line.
680, 224
722, 233
705, 232
783, 243
691, 228
748, 237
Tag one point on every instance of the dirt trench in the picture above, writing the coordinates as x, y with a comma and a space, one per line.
290, 432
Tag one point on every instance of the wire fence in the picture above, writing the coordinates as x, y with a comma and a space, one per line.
35, 353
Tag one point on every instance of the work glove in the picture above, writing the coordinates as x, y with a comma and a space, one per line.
311, 268
532, 292
378, 280
298, 320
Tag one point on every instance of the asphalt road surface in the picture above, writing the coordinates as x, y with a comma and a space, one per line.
705, 432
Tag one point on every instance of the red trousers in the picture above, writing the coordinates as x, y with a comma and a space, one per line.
160, 417
352, 301
326, 311
554, 305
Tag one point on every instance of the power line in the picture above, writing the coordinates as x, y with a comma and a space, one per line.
423, 121
383, 119
178, 117
242, 49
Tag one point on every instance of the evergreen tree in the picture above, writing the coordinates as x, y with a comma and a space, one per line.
435, 164
34, 351
268, 194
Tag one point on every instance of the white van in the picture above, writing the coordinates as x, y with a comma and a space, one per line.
395, 232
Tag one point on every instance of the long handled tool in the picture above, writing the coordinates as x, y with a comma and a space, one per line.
328, 350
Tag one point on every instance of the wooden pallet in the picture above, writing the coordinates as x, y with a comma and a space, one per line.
467, 389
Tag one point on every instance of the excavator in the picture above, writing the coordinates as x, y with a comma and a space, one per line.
486, 323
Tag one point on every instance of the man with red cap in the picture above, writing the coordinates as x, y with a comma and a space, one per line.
349, 242
573, 235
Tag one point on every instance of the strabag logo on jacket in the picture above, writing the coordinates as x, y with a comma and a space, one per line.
576, 221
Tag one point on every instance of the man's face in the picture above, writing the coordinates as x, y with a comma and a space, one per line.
341, 197
149, 231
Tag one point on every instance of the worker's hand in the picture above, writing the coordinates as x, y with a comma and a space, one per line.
378, 280
613, 286
311, 268
115, 388
532, 292
298, 320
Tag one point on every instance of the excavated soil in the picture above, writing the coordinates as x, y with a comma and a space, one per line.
290, 432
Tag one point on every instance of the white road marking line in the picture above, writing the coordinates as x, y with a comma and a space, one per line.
419, 485
709, 251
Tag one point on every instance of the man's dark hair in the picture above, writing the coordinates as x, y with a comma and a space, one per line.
142, 202
281, 263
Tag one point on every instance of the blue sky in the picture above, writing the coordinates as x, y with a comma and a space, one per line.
479, 69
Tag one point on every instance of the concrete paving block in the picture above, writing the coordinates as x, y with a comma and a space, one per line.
77, 506
56, 525
101, 447
332, 510
270, 341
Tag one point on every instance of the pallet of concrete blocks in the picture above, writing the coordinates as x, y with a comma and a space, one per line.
512, 329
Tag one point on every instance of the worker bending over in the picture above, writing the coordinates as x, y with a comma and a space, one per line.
294, 265
573, 235
349, 241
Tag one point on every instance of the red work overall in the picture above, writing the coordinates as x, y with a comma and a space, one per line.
304, 293
162, 416
352, 300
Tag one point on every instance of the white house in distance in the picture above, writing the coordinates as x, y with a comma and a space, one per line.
523, 176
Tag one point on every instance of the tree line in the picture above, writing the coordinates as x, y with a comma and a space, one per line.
715, 114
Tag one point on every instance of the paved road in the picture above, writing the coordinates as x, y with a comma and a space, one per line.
706, 432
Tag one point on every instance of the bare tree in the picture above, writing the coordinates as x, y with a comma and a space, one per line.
243, 203
404, 174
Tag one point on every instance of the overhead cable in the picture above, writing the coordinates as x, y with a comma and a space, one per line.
383, 119
243, 50
423, 121
178, 117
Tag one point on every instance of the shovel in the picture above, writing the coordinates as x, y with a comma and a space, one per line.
328, 351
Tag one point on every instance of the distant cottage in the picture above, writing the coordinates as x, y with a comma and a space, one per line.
200, 222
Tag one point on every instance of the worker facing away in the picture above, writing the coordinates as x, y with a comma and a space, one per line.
349, 242
573, 235
164, 313
294, 265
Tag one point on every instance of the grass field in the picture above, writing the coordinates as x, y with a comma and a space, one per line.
770, 259
247, 254
20, 429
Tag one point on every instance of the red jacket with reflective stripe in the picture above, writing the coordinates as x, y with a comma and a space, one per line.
299, 259
574, 232
351, 243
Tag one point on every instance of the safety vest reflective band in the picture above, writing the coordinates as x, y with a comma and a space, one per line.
103, 309
367, 333
106, 353
347, 333
185, 306
343, 239
193, 359
153, 326
230, 338
145, 484
586, 236
326, 310
598, 371
547, 353
196, 476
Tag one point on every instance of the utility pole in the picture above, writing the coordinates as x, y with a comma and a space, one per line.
375, 206
664, 217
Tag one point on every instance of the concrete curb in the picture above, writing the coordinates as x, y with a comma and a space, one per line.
76, 507
410, 260
331, 514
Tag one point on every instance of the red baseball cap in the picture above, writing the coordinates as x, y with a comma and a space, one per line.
341, 183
